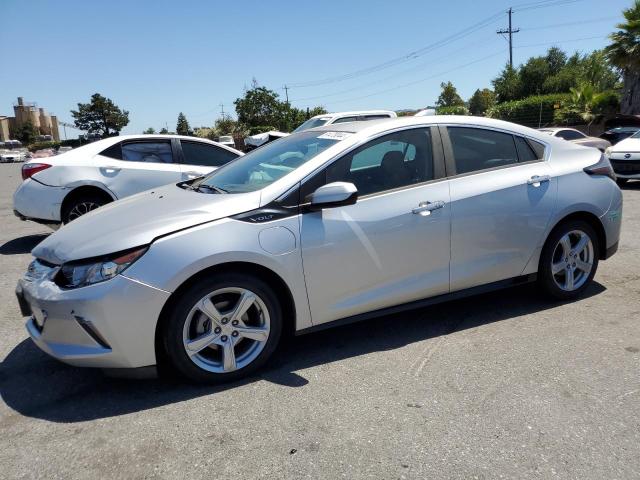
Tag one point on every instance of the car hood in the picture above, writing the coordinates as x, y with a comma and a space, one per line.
138, 220
627, 145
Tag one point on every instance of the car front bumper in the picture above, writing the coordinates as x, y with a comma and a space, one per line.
108, 325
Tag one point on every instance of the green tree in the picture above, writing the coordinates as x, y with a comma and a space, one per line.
149, 131
596, 70
260, 110
100, 116
182, 127
163, 131
624, 53
533, 75
27, 133
556, 60
507, 85
481, 101
449, 96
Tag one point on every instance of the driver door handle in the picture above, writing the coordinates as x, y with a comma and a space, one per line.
425, 208
538, 179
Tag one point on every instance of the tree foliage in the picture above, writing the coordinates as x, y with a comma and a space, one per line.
555, 73
27, 133
182, 127
260, 109
624, 53
149, 131
100, 116
481, 101
449, 96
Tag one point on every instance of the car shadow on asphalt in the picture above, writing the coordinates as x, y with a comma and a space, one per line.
22, 244
38, 386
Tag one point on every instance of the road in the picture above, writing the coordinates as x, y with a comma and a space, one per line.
505, 385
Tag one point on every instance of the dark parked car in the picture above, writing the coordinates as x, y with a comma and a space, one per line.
614, 135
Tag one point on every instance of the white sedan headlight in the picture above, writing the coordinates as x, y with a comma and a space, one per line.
607, 152
82, 273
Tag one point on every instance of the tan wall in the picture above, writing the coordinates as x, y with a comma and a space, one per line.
4, 129
54, 128
45, 122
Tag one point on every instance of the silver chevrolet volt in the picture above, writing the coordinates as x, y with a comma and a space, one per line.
327, 226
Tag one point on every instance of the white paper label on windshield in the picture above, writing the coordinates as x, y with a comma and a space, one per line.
335, 135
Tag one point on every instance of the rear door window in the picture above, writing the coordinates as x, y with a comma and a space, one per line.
476, 149
198, 153
158, 151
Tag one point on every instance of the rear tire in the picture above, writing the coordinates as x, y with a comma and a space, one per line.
569, 260
237, 335
82, 205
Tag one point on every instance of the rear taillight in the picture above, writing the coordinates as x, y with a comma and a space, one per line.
603, 167
30, 169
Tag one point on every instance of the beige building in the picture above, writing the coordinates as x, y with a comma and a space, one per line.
29, 112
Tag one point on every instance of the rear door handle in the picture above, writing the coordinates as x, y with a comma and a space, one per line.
538, 179
425, 208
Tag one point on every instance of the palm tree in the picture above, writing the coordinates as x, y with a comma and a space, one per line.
624, 53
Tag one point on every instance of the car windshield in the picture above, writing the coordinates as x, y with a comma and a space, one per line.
311, 123
266, 164
636, 135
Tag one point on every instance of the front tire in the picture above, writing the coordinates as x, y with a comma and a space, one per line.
569, 260
223, 328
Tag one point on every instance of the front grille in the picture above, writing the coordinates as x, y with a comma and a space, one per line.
626, 168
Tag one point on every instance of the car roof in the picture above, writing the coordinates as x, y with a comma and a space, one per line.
355, 112
381, 125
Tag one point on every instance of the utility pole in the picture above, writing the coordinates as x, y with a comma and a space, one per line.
222, 110
286, 92
510, 31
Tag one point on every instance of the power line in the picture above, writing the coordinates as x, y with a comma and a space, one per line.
417, 53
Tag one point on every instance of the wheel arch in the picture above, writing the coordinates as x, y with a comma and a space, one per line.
593, 221
80, 190
267, 275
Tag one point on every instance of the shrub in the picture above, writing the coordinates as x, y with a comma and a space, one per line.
452, 110
534, 111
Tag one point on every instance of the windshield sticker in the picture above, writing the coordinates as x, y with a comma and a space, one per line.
335, 135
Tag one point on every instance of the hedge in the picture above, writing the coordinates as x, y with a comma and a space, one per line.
535, 111
453, 110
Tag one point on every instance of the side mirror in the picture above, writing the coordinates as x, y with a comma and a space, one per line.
334, 194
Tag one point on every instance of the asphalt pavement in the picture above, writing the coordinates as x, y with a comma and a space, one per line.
504, 385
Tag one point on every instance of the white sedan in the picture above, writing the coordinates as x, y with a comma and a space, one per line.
60, 189
625, 159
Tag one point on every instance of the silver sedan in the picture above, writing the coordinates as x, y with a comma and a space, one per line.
330, 225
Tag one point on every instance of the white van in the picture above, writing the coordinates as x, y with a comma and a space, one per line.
344, 117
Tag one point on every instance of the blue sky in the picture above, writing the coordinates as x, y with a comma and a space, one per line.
157, 58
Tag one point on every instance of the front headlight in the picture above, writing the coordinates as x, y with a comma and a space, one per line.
82, 273
607, 152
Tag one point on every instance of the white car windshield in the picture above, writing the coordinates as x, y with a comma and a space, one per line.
266, 164
311, 123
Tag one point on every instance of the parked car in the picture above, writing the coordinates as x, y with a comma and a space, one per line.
254, 141
61, 188
625, 158
323, 227
227, 141
12, 156
615, 135
344, 117
576, 136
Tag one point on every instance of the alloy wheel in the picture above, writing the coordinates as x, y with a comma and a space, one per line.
82, 208
572, 260
226, 330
